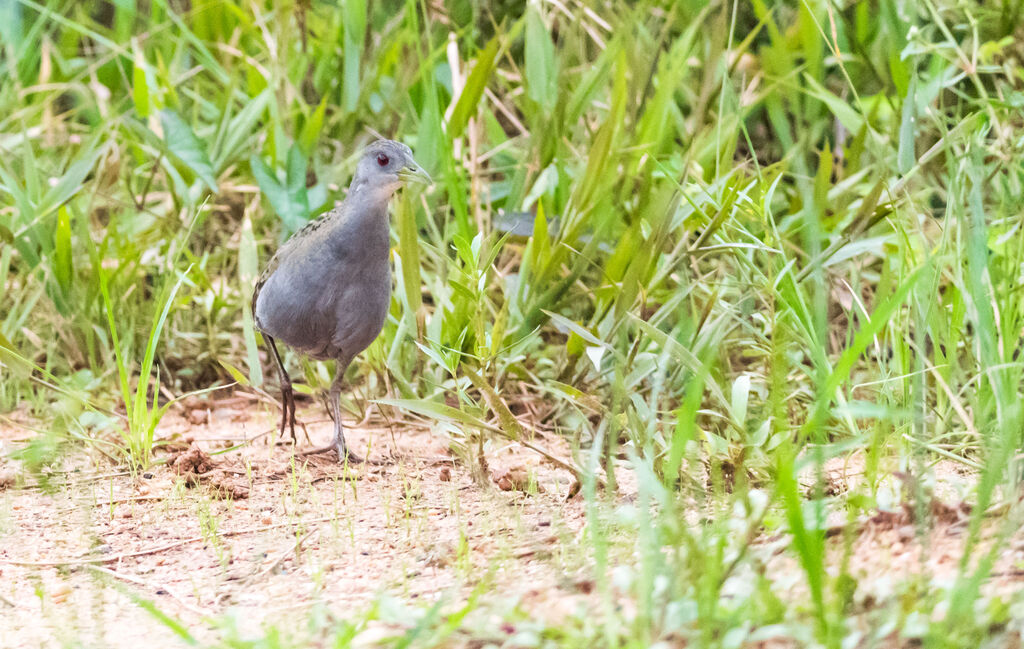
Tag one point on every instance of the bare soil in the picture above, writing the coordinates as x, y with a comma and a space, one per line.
267, 535
259, 535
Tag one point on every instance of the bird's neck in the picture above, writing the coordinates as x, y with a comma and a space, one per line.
366, 228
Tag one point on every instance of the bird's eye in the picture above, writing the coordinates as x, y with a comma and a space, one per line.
383, 160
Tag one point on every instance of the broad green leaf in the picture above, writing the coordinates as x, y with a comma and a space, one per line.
591, 83
210, 64
465, 106
431, 143
297, 165
447, 361
509, 423
140, 85
241, 128
62, 269
354, 34
248, 270
236, 373
289, 200
70, 182
409, 251
436, 410
597, 172
11, 28
183, 145
311, 129
541, 65
844, 112
578, 329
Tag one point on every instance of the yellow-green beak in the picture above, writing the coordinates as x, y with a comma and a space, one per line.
413, 173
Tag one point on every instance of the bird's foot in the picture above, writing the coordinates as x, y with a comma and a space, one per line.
344, 454
347, 456
281, 441
290, 438
288, 419
305, 431
287, 414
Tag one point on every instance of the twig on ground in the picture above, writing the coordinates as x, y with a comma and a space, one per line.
71, 483
284, 554
123, 501
158, 549
108, 503
151, 586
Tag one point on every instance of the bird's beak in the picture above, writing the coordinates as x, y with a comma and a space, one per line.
412, 173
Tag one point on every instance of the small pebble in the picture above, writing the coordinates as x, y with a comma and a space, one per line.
906, 532
60, 593
7, 478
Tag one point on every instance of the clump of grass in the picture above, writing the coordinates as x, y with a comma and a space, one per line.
141, 401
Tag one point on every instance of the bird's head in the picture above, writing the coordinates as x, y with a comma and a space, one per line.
387, 165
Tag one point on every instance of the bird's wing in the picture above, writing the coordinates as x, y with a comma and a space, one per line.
264, 276
300, 234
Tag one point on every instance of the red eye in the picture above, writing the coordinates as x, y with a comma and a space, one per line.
383, 160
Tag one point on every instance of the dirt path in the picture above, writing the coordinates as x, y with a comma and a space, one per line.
309, 534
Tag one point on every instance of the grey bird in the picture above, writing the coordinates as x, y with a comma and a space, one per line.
326, 291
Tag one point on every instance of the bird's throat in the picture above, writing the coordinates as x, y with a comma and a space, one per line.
365, 233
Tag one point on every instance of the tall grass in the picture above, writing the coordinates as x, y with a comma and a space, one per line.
717, 243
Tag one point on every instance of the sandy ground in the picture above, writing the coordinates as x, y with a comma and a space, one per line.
266, 538
308, 533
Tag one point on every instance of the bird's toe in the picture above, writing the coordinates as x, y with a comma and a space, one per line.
345, 455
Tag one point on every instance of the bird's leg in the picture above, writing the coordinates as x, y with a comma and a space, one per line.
287, 394
338, 442
339, 433
326, 403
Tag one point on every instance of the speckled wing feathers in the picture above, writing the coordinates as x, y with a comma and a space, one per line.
300, 234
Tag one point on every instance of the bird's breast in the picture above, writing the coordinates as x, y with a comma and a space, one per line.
326, 301
359, 307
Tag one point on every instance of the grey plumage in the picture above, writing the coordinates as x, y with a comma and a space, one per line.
327, 289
